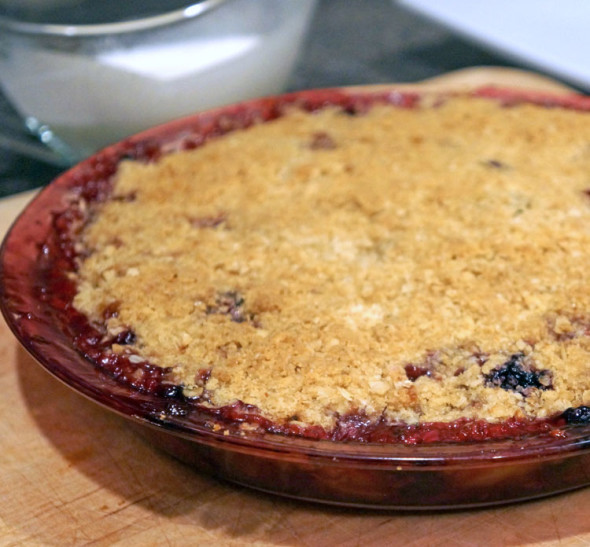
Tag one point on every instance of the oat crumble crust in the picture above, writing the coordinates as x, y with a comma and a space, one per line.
304, 265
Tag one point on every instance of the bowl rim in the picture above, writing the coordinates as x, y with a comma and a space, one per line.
34, 223
190, 11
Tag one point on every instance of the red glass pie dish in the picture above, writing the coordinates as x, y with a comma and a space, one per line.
423, 476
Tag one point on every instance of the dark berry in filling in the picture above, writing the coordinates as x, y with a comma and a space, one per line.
322, 141
517, 374
229, 303
208, 222
495, 164
579, 415
413, 372
124, 338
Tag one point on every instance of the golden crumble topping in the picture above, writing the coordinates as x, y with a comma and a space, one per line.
420, 264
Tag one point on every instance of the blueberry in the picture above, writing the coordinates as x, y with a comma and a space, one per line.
579, 415
125, 337
230, 303
517, 375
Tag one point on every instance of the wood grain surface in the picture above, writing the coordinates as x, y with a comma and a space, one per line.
73, 474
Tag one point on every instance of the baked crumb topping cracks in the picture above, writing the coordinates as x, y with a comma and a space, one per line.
404, 265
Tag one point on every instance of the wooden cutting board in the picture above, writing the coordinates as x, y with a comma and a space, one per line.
73, 474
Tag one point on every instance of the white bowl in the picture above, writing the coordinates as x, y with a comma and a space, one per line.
83, 85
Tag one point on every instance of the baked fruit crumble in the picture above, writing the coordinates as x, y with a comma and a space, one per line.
395, 273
